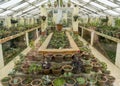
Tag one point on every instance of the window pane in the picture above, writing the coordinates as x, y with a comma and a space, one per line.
20, 6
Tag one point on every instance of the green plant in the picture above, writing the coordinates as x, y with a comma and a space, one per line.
5, 79
31, 44
59, 82
81, 80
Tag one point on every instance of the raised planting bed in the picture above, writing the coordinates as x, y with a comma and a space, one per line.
67, 44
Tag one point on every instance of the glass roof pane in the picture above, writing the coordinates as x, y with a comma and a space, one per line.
29, 9
31, 1
97, 5
5, 13
42, 2
20, 6
9, 3
86, 0
117, 9
111, 12
108, 3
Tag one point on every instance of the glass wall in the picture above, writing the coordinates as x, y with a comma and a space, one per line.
106, 47
13, 47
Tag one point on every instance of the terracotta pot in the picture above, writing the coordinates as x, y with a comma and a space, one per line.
68, 57
58, 57
24, 83
49, 56
87, 68
46, 71
96, 67
111, 80
101, 80
15, 81
70, 83
59, 27
67, 68
5, 81
56, 71
36, 82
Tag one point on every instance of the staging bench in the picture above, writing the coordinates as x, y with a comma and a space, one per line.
74, 48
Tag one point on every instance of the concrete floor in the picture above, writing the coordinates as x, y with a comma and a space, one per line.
115, 71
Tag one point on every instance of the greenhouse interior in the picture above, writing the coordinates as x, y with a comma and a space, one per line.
49, 42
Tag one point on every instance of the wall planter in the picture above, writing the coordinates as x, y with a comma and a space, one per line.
75, 17
5, 81
43, 18
59, 27
15, 81
36, 82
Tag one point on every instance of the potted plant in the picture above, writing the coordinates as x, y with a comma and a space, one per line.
96, 67
75, 17
68, 57
26, 81
25, 67
81, 81
43, 18
101, 79
110, 81
15, 81
46, 66
56, 68
58, 82
36, 82
5, 81
70, 81
67, 68
58, 57
49, 56
92, 80
35, 68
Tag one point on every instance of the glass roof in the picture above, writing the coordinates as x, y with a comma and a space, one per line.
24, 7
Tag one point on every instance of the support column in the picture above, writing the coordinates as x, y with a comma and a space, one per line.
82, 32
1, 57
117, 60
37, 33
27, 39
92, 37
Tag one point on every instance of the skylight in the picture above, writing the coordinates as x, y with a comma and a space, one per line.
5, 13
20, 6
31, 1
112, 12
108, 3
97, 5
9, 3
30, 8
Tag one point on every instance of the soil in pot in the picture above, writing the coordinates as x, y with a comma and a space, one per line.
87, 68
26, 82
67, 68
36, 82
56, 69
5, 81
49, 56
96, 67
58, 82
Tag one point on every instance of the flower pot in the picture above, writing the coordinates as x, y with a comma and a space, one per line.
5, 81
24, 69
56, 71
46, 71
59, 27
96, 67
67, 68
111, 80
87, 68
81, 81
15, 81
58, 82
70, 81
36, 82
101, 79
68, 57
58, 57
75, 18
26, 82
49, 56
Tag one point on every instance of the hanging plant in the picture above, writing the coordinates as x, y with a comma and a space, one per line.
13, 21
75, 17
43, 18
55, 4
